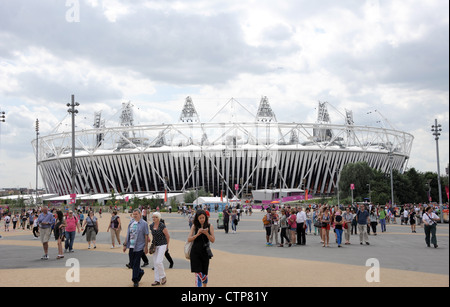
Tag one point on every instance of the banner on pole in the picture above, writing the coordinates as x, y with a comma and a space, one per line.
352, 186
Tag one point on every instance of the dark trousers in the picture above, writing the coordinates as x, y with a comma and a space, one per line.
35, 231
430, 230
284, 235
135, 263
301, 234
225, 225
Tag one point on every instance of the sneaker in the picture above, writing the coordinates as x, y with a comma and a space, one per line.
367, 243
45, 257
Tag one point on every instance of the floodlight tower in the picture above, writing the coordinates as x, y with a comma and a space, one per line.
436, 129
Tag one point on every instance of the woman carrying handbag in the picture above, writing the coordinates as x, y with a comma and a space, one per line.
202, 233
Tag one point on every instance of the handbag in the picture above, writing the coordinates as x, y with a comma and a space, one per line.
187, 250
345, 226
152, 247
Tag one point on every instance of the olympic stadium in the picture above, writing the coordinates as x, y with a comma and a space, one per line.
229, 157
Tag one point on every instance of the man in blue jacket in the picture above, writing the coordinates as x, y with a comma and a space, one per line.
362, 217
137, 242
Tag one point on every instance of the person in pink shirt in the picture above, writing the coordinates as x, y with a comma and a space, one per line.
73, 224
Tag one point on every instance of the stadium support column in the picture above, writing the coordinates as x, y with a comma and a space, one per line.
73, 111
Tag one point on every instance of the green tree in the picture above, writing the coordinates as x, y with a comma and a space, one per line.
360, 174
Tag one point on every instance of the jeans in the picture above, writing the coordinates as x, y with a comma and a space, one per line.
70, 237
135, 262
339, 236
430, 230
233, 225
309, 223
383, 225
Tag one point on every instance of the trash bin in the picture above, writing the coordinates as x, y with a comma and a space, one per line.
220, 224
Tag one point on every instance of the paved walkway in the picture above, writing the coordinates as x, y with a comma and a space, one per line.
240, 260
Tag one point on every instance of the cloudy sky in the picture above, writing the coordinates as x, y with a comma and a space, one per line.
389, 56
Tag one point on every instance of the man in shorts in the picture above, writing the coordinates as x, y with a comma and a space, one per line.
45, 221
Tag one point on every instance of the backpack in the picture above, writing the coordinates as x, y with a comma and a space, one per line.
265, 220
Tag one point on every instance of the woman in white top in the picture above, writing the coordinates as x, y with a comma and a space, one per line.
429, 219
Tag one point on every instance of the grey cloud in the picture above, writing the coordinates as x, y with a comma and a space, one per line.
167, 47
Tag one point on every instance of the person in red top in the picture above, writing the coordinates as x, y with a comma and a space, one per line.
73, 224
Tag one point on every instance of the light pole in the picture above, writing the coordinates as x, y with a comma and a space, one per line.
73, 111
2, 120
436, 129
370, 197
391, 162
37, 157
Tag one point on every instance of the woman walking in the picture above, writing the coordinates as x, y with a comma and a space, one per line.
91, 226
59, 232
338, 222
161, 238
202, 233
429, 219
325, 218
373, 221
412, 220
234, 220
115, 226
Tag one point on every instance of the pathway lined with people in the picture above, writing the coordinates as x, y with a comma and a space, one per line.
241, 259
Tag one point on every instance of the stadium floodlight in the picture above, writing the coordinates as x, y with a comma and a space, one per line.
436, 129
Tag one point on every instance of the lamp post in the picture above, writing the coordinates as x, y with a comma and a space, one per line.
391, 162
73, 111
436, 129
37, 158
2, 119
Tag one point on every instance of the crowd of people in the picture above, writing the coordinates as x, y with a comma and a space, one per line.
284, 226
292, 224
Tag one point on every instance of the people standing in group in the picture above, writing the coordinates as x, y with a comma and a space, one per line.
325, 219
347, 216
160, 239
137, 242
301, 227
115, 226
284, 228
91, 227
363, 219
72, 225
430, 220
201, 234
45, 220
60, 232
